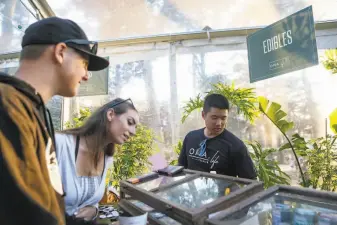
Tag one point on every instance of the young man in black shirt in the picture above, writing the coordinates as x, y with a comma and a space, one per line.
214, 148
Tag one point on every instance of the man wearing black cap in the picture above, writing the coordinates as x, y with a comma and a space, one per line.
55, 58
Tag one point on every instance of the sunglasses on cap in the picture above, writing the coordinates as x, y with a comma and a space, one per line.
93, 45
121, 102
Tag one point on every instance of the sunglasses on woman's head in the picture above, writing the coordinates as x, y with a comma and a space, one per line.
121, 102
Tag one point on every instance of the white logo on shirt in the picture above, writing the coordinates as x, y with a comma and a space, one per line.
195, 154
53, 169
214, 159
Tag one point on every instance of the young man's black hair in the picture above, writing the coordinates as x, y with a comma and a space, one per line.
214, 148
55, 59
215, 101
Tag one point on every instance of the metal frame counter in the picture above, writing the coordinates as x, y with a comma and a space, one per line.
179, 212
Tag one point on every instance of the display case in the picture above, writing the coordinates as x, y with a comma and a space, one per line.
188, 197
284, 205
135, 208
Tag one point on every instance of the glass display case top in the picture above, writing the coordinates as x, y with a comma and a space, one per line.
285, 209
199, 192
164, 219
160, 181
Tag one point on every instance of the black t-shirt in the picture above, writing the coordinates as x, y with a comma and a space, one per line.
226, 154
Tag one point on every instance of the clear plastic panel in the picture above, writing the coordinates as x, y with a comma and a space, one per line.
199, 192
14, 19
160, 181
164, 219
285, 210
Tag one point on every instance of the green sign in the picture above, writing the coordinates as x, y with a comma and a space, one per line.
285, 46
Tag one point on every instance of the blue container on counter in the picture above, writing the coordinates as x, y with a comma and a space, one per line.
327, 219
304, 217
281, 214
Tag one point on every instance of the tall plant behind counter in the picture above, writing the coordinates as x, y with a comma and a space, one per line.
245, 102
318, 156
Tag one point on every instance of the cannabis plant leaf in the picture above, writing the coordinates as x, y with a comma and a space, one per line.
274, 113
333, 121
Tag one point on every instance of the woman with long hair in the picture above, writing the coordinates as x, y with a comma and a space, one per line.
85, 153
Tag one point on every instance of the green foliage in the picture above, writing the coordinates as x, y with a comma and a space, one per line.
273, 112
131, 158
191, 105
333, 121
320, 160
330, 60
177, 149
78, 120
243, 99
267, 170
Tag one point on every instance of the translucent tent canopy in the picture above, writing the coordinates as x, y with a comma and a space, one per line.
161, 74
115, 19
111, 19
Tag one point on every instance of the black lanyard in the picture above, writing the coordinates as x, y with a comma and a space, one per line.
76, 153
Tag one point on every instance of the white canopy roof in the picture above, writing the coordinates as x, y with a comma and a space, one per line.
115, 19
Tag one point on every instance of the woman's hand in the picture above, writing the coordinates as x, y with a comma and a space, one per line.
87, 213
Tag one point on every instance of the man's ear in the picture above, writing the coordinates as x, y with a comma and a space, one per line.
110, 114
203, 114
59, 52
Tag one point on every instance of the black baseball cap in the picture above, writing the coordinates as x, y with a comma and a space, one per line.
54, 30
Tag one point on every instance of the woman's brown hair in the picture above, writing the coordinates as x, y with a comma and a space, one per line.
96, 126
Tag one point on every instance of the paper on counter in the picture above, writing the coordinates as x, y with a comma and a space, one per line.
135, 220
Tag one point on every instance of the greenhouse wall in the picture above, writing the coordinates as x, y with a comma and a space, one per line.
160, 77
